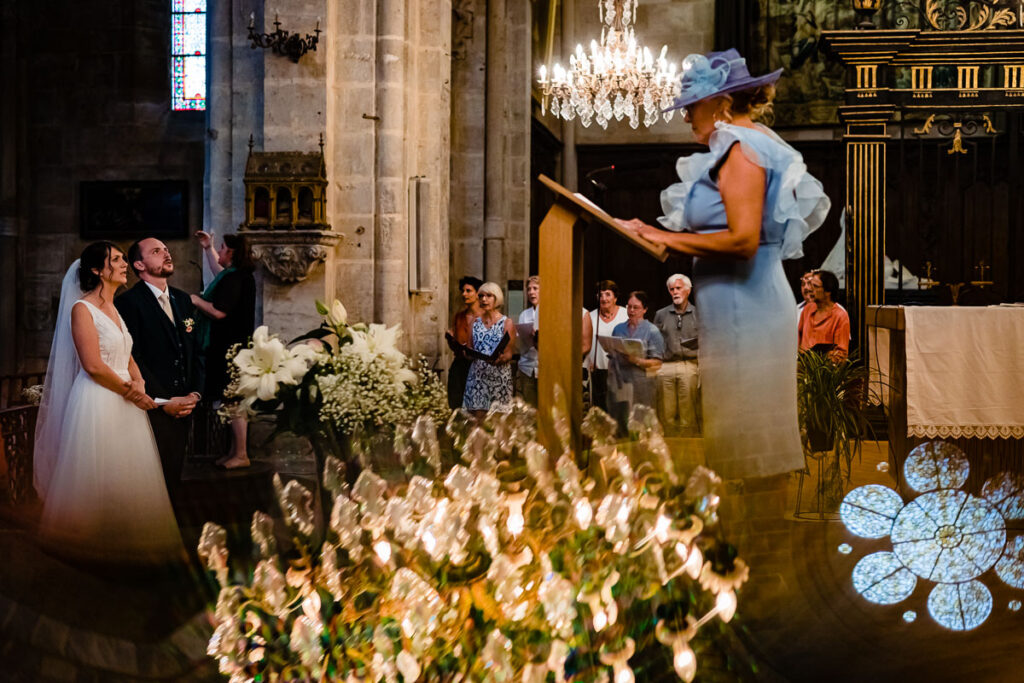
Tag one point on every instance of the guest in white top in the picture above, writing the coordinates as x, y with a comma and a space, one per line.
603, 319
526, 377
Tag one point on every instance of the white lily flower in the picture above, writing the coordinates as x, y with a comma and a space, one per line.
269, 364
337, 315
377, 342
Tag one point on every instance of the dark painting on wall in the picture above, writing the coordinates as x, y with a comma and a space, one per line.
787, 35
129, 209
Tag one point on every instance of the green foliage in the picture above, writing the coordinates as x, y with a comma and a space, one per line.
831, 400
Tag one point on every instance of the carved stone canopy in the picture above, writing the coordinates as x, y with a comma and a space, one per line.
285, 191
291, 256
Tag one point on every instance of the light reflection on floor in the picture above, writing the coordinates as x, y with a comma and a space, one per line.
944, 535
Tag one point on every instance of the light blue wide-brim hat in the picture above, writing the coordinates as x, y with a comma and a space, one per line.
716, 73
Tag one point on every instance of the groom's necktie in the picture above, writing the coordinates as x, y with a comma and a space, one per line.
165, 303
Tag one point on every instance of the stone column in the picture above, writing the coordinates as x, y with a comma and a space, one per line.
494, 145
468, 158
351, 145
392, 155
429, 120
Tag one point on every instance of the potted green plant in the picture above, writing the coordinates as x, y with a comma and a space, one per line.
832, 399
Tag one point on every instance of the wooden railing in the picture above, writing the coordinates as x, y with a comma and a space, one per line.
17, 436
12, 386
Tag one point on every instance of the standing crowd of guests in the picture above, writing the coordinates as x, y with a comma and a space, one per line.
664, 376
661, 372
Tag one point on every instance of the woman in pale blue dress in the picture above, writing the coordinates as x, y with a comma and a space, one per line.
739, 210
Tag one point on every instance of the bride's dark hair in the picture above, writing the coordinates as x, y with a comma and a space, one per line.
93, 256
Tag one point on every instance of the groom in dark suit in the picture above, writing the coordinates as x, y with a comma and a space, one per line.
161, 320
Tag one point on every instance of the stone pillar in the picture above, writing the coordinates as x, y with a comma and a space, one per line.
295, 95
490, 140
395, 51
518, 77
378, 89
494, 149
429, 120
234, 112
351, 145
468, 106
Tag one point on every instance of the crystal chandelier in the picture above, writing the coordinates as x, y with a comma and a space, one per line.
617, 79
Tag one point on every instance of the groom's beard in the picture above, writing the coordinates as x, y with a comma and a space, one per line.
165, 270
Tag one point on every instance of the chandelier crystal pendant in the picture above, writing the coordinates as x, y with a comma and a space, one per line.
618, 78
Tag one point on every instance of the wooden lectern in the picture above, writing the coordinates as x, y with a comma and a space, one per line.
560, 326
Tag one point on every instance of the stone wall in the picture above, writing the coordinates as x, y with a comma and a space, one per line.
86, 96
490, 139
377, 88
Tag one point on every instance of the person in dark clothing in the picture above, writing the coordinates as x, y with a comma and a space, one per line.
162, 322
461, 329
228, 306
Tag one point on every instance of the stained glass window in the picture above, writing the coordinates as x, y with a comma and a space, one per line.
188, 55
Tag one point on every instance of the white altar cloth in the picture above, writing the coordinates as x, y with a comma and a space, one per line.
965, 370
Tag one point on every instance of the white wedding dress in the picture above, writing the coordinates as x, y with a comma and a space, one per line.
105, 496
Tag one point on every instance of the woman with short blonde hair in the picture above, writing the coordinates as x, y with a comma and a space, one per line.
489, 384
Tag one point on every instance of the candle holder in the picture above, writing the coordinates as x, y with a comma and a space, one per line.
282, 42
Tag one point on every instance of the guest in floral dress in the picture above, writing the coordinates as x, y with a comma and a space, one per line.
490, 382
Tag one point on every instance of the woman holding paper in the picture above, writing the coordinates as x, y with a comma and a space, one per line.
633, 366
489, 384
740, 209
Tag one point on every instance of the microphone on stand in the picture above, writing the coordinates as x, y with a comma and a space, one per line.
594, 181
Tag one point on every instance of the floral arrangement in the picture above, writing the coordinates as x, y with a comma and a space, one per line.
339, 379
33, 394
490, 561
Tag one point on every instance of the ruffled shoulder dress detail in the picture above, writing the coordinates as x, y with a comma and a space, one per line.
798, 200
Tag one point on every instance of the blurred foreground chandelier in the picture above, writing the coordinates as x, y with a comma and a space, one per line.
617, 79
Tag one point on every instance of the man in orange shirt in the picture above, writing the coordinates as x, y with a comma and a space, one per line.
824, 324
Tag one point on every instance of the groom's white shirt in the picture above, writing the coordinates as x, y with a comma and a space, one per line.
157, 292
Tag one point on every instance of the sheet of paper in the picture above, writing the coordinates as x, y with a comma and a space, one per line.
634, 348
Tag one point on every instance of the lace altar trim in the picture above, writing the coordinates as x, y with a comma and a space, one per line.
967, 431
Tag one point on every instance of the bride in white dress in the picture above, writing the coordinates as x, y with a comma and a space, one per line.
96, 465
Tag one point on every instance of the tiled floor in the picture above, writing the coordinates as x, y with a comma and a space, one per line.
799, 618
824, 631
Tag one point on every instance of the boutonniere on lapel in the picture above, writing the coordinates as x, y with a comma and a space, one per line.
189, 324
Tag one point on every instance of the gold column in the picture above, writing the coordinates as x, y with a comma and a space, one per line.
865, 137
